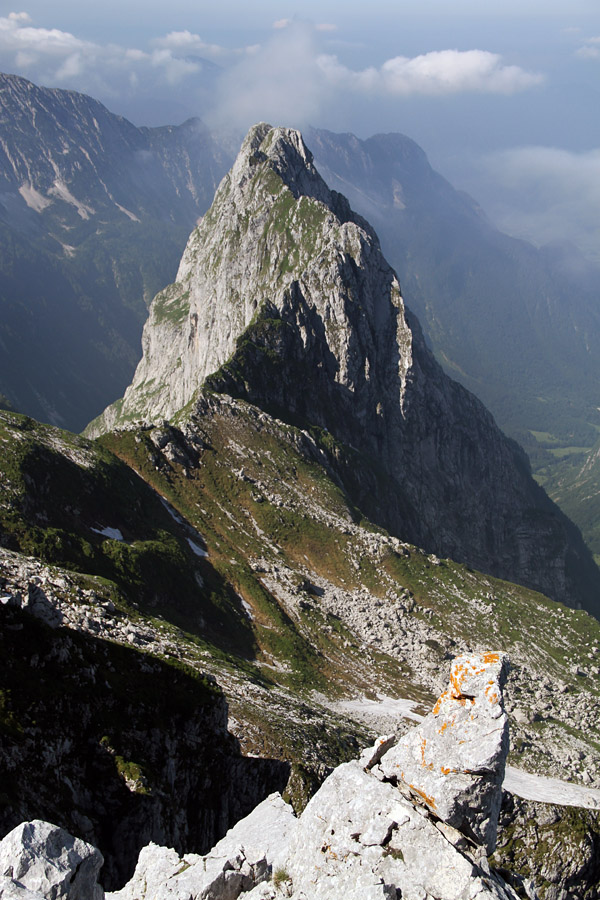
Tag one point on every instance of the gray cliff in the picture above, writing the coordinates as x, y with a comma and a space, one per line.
283, 298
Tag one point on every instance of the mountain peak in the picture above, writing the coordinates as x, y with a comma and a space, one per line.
284, 299
273, 229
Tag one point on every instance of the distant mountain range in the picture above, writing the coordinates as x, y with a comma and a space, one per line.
518, 326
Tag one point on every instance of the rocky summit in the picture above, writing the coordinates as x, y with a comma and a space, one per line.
365, 835
283, 299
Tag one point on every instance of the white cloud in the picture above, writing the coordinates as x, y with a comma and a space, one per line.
176, 70
187, 42
280, 82
286, 79
58, 58
589, 49
19, 17
588, 52
438, 72
16, 35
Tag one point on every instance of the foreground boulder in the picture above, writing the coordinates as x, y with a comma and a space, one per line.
454, 761
360, 839
412, 819
41, 860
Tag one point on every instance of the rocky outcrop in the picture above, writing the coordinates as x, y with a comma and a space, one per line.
66, 163
245, 857
118, 746
550, 849
283, 298
455, 759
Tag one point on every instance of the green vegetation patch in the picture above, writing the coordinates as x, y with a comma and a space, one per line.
171, 306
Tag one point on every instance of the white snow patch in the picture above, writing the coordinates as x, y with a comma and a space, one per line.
33, 198
549, 790
172, 512
109, 532
523, 784
199, 551
394, 708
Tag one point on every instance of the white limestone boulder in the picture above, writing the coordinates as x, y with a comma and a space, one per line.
359, 839
46, 860
12, 890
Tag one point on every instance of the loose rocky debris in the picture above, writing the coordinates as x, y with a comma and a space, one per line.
365, 834
55, 596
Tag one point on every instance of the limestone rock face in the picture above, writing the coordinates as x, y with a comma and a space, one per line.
362, 836
49, 862
454, 761
283, 298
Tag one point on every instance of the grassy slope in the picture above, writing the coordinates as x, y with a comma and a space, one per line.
284, 547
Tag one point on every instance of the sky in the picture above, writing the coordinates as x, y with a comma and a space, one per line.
504, 97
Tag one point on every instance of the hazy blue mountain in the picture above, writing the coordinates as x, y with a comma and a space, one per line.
283, 298
94, 213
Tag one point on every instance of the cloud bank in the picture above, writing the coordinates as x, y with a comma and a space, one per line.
435, 73
548, 194
288, 78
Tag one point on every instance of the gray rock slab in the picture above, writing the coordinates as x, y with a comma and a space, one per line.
333, 853
12, 890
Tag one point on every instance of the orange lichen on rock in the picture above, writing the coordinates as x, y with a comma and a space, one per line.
468, 669
442, 698
428, 800
491, 693
424, 762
